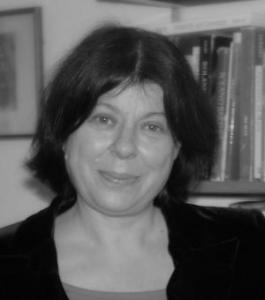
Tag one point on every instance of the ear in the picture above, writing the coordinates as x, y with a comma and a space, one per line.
177, 149
64, 148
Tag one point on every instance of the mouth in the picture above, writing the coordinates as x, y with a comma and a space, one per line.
118, 178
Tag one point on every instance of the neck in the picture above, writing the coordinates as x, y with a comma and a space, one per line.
116, 231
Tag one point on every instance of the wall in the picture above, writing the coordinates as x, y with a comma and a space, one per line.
64, 22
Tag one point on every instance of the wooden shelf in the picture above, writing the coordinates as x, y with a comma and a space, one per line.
170, 3
226, 188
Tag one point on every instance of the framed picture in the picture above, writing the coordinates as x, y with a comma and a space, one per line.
20, 70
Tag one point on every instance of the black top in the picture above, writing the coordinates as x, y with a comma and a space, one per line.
218, 254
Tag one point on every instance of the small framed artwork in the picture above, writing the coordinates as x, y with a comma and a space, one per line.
20, 70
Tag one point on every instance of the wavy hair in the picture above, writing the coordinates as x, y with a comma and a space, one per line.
109, 57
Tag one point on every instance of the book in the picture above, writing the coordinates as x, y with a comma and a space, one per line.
205, 62
220, 71
246, 92
263, 122
237, 91
220, 97
224, 148
221, 40
195, 60
232, 123
258, 104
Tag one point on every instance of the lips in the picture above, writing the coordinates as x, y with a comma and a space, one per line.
118, 178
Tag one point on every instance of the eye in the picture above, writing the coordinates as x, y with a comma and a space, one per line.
103, 120
154, 128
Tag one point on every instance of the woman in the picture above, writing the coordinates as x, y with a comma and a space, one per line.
124, 133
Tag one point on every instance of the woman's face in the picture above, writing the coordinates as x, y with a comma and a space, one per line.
120, 158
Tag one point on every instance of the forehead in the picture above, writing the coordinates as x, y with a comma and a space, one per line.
145, 96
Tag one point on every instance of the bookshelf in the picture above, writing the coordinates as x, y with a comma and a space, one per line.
236, 52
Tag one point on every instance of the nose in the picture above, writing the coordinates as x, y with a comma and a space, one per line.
125, 143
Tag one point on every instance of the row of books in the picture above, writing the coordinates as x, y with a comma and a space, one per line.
229, 64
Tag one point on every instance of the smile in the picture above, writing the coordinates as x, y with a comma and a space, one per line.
118, 178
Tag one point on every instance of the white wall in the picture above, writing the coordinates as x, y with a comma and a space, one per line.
65, 22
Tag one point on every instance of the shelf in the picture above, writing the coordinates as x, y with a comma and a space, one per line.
170, 3
230, 188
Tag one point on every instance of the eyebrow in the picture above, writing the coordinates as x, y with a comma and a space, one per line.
155, 113
149, 114
107, 105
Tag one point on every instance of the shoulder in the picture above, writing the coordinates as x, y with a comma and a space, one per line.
21, 237
214, 224
235, 219
7, 235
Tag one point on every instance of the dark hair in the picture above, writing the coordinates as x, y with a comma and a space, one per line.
109, 57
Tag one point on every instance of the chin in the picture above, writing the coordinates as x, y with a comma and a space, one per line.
121, 210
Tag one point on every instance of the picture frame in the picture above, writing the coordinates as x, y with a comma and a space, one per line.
20, 71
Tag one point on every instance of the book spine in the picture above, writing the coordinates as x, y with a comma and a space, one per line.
195, 61
205, 42
258, 104
227, 110
220, 96
263, 119
232, 162
246, 104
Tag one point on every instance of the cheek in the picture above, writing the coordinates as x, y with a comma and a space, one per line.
86, 147
160, 156
83, 152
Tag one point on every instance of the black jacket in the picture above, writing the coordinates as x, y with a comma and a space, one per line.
218, 254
